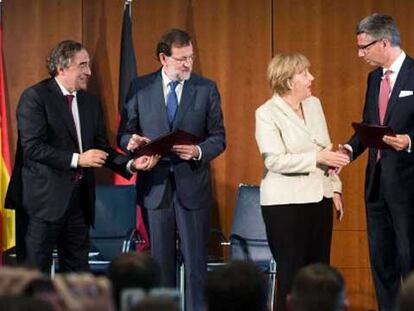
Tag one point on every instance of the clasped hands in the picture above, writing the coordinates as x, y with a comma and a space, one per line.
335, 160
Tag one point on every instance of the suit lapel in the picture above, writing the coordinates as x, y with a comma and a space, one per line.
398, 86
157, 103
185, 102
83, 118
376, 83
62, 106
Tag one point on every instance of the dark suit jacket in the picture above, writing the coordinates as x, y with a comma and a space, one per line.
397, 166
42, 180
199, 113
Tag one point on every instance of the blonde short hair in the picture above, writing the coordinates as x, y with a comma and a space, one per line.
282, 68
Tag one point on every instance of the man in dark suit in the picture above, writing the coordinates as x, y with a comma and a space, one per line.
389, 184
177, 193
61, 138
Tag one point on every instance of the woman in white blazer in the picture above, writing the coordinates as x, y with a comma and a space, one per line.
298, 185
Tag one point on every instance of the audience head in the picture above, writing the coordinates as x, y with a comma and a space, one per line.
318, 287
133, 270
238, 286
282, 68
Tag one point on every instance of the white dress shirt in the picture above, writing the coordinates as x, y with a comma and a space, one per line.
75, 114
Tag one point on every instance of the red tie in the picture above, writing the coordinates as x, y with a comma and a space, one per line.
69, 99
384, 95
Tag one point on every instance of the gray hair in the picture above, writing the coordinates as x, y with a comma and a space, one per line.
380, 26
61, 55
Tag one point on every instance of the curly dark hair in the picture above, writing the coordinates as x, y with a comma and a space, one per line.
61, 55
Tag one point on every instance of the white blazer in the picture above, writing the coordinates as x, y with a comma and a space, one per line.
288, 146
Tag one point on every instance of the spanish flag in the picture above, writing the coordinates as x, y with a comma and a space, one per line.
7, 230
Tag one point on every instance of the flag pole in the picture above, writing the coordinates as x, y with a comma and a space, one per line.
127, 3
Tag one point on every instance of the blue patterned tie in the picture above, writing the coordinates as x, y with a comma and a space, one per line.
172, 102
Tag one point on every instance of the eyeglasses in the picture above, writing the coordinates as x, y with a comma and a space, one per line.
364, 48
184, 60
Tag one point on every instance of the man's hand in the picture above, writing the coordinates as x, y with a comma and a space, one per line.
398, 142
92, 158
343, 150
136, 141
186, 152
145, 163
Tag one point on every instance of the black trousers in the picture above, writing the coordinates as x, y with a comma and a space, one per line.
70, 235
298, 235
390, 238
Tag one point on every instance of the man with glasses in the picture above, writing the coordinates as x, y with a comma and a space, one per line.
177, 193
389, 185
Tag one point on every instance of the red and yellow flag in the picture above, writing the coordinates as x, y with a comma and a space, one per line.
7, 230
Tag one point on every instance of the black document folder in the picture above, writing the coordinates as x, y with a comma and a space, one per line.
162, 145
371, 135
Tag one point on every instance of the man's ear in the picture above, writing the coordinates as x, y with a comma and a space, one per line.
60, 70
163, 58
386, 42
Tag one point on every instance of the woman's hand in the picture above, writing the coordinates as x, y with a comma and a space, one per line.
332, 158
339, 205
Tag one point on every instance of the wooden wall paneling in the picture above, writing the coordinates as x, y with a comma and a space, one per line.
31, 29
359, 289
346, 242
234, 47
152, 18
101, 29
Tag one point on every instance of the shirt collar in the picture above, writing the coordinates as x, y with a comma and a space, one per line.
63, 89
396, 65
166, 80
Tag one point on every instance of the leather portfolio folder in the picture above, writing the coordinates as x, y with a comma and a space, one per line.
162, 145
371, 135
